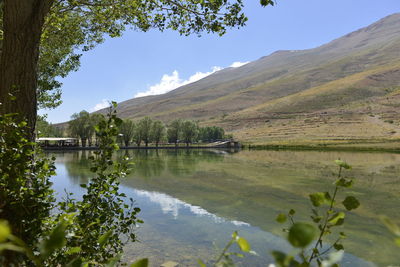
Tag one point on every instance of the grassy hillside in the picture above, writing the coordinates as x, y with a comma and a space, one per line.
343, 91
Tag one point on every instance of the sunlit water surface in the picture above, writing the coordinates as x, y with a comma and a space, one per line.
192, 200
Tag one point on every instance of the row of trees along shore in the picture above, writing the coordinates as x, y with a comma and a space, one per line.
145, 131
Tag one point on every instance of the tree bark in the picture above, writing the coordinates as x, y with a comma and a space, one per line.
22, 25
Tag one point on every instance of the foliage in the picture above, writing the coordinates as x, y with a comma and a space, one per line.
144, 128
96, 118
211, 133
148, 131
82, 126
189, 131
46, 129
26, 197
77, 233
127, 130
174, 131
55, 240
326, 215
103, 217
137, 137
224, 259
157, 132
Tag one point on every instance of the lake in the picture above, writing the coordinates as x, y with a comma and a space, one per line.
192, 200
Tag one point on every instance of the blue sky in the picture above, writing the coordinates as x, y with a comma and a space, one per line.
122, 68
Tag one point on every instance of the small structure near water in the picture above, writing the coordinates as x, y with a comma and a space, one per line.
57, 142
225, 144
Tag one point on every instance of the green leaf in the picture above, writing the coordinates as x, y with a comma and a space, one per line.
279, 257
235, 235
281, 218
344, 182
316, 219
243, 244
73, 250
301, 234
338, 246
317, 199
342, 164
140, 263
5, 231
292, 212
113, 262
337, 218
104, 238
351, 203
342, 235
283, 260
266, 2
12, 247
55, 241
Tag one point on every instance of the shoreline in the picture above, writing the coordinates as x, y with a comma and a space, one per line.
376, 146
137, 148
346, 147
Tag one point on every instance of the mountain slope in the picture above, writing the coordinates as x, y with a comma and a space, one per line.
288, 87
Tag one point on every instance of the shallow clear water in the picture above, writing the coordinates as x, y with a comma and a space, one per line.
192, 200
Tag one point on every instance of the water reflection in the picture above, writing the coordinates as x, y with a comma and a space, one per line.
171, 205
77, 164
187, 192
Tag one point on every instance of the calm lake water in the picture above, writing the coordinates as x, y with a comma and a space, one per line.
192, 200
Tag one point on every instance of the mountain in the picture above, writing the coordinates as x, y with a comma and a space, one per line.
348, 89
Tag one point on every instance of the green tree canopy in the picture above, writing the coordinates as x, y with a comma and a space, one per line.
189, 131
127, 130
46, 129
174, 131
157, 132
144, 127
211, 133
81, 126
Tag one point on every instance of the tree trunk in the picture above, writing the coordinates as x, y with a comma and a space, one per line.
22, 25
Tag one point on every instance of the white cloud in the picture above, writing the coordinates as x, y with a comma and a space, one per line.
173, 81
103, 104
238, 64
